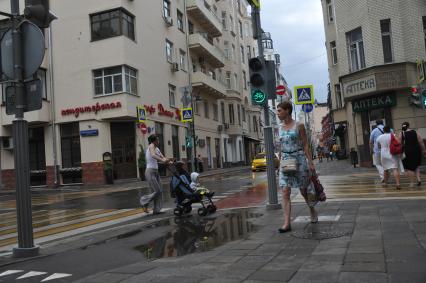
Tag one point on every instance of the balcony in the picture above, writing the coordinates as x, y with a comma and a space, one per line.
199, 10
203, 48
206, 84
234, 130
33, 117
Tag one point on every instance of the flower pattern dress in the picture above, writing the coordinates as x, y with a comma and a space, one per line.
292, 147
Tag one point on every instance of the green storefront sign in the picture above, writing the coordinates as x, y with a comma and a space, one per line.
374, 102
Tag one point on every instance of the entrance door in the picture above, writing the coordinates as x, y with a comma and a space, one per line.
123, 150
217, 149
209, 152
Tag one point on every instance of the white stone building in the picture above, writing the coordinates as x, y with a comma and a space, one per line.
372, 51
105, 58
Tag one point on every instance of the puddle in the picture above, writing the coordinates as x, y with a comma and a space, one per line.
199, 234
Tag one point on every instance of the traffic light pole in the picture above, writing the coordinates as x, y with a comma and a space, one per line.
26, 246
269, 141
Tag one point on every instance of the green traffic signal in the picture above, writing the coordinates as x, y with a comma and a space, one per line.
258, 97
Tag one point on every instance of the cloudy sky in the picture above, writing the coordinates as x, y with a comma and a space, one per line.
297, 30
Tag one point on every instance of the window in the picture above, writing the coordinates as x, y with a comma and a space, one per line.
330, 11
180, 22
333, 52
385, 28
71, 152
236, 81
226, 50
239, 5
222, 110
239, 114
190, 27
240, 27
169, 51
115, 80
231, 24
228, 80
254, 124
215, 112
245, 80
196, 108
206, 109
166, 9
242, 54
243, 110
234, 56
112, 23
338, 91
172, 95
356, 50
424, 28
231, 114
268, 44
182, 60
248, 52
224, 20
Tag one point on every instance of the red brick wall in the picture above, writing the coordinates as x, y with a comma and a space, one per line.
50, 176
93, 173
8, 178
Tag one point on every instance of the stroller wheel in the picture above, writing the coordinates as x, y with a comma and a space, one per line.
187, 209
202, 211
211, 208
178, 211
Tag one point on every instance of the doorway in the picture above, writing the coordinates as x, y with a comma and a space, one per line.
217, 149
123, 150
209, 152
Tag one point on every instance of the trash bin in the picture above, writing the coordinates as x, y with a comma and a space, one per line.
354, 157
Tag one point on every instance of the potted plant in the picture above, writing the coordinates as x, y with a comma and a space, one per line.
141, 163
108, 172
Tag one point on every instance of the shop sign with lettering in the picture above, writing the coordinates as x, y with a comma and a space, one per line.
150, 109
374, 102
361, 86
98, 107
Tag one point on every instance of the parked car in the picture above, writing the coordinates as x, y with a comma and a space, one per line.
259, 162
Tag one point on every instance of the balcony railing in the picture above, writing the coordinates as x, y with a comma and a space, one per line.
200, 44
201, 11
208, 84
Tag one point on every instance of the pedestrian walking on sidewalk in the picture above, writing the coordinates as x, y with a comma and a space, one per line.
388, 160
153, 156
295, 161
414, 148
374, 149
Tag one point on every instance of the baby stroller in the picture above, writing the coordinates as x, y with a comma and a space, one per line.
180, 188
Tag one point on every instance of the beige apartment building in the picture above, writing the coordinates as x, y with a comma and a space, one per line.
372, 51
104, 58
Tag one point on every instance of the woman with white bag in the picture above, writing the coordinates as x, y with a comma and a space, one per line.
295, 162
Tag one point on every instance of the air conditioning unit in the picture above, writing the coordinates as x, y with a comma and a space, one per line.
226, 125
169, 21
175, 67
220, 128
7, 143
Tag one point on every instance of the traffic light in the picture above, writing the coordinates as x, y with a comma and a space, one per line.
415, 96
258, 80
37, 12
424, 98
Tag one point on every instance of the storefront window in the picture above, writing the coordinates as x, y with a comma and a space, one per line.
175, 142
71, 153
159, 132
37, 156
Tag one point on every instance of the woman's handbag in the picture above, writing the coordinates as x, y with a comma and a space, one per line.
288, 165
395, 146
319, 189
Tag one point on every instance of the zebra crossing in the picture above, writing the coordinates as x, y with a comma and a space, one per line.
365, 186
10, 274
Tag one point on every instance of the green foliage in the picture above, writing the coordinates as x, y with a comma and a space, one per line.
141, 158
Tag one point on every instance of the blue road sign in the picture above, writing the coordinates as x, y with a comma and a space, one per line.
307, 108
304, 94
186, 115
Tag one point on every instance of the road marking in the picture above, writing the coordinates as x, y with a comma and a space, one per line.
56, 276
9, 272
322, 218
31, 274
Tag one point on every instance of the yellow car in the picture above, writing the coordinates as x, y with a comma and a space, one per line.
259, 162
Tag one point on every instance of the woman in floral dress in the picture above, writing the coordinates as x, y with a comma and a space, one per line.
294, 145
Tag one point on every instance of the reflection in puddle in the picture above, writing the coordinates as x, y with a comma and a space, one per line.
196, 234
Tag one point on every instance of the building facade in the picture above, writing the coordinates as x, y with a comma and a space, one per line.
372, 51
106, 58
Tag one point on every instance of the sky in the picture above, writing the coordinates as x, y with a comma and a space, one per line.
297, 30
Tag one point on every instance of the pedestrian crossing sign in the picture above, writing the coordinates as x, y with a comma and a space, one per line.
304, 94
141, 114
186, 114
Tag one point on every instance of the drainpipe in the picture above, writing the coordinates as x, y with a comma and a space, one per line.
52, 111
